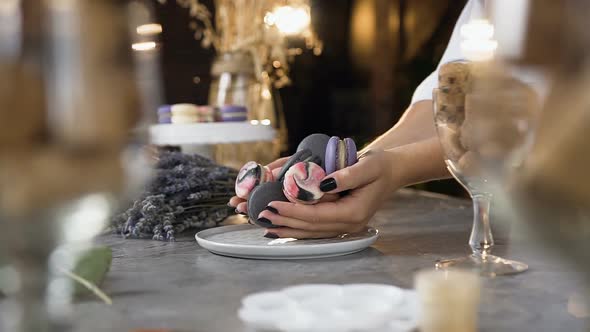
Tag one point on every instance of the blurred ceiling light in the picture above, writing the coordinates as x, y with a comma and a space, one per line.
266, 94
265, 122
9, 7
254, 122
478, 44
477, 29
149, 29
10, 33
144, 46
269, 19
62, 5
289, 20
363, 32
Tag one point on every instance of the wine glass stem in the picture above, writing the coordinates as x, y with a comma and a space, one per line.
481, 240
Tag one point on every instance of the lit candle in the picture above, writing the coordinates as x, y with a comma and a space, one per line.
448, 300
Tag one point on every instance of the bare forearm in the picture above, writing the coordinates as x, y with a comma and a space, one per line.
416, 124
418, 162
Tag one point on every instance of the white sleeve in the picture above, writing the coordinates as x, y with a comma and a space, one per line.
473, 9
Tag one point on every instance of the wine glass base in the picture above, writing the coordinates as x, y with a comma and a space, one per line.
486, 265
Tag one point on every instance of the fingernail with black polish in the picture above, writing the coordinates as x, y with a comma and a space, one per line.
264, 222
271, 235
272, 209
328, 185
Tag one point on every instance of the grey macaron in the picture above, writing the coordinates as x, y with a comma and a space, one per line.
261, 196
316, 143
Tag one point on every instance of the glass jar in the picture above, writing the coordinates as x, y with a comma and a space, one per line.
234, 81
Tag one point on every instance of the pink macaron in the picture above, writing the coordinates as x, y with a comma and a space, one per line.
250, 176
302, 183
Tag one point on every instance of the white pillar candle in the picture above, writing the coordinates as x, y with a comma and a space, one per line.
448, 300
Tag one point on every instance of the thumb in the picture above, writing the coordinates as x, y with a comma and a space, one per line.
278, 163
365, 171
276, 166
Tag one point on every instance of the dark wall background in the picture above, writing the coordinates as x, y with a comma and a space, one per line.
358, 87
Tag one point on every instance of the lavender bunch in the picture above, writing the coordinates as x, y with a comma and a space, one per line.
188, 192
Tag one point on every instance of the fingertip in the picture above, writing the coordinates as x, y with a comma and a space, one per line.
276, 232
264, 214
234, 201
242, 208
275, 172
277, 163
271, 234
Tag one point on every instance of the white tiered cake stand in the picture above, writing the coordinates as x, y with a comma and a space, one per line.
197, 137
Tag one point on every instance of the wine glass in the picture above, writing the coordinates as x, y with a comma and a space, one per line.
483, 142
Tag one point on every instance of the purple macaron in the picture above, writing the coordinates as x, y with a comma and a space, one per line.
164, 114
339, 154
233, 113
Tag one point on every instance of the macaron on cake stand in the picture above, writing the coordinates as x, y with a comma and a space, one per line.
298, 181
191, 127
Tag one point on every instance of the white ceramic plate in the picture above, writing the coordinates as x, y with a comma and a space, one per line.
248, 241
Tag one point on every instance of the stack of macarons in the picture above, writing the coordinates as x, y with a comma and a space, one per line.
164, 114
185, 113
232, 113
206, 113
190, 113
299, 179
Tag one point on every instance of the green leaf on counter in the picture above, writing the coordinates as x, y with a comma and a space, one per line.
92, 266
89, 286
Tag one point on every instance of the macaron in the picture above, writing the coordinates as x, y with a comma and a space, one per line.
316, 143
233, 113
184, 113
251, 175
164, 114
260, 197
302, 183
206, 113
339, 154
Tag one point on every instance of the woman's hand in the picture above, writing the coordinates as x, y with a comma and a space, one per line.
241, 204
369, 183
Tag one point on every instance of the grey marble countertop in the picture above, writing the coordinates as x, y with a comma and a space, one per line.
183, 287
